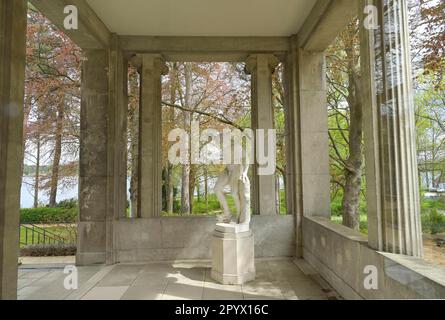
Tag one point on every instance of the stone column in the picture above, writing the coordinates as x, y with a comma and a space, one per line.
102, 185
152, 67
117, 148
261, 67
293, 144
94, 143
390, 142
12, 73
313, 126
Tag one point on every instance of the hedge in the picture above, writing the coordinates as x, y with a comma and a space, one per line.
48, 250
48, 215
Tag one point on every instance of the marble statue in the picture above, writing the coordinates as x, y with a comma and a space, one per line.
236, 177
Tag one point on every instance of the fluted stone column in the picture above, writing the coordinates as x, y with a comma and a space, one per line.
390, 142
12, 74
261, 67
152, 67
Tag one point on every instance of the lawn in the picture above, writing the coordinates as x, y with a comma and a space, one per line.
363, 222
68, 232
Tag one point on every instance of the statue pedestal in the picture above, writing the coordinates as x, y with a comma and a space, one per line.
233, 254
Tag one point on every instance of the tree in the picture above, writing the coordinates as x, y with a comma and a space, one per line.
346, 121
133, 139
52, 103
213, 95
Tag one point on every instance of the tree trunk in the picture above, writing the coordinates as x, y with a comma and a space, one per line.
192, 186
277, 192
185, 192
170, 186
133, 128
26, 113
198, 191
353, 168
57, 155
206, 187
37, 174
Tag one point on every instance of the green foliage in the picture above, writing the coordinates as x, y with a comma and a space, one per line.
68, 204
337, 205
283, 206
363, 222
48, 215
433, 221
200, 207
429, 204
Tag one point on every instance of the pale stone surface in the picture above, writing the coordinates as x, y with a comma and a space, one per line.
261, 67
12, 73
314, 147
93, 162
232, 227
102, 163
151, 67
340, 255
233, 256
394, 222
91, 33
171, 238
47, 260
278, 279
105, 293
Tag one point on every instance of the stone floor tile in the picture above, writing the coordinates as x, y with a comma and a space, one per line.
178, 291
105, 293
120, 276
255, 289
276, 279
151, 292
303, 289
151, 278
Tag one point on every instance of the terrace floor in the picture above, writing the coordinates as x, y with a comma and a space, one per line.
276, 279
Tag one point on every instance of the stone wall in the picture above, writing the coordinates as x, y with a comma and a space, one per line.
340, 255
189, 238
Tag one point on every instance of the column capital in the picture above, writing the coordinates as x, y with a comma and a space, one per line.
256, 61
148, 60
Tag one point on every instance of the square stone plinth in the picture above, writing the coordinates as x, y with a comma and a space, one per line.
232, 256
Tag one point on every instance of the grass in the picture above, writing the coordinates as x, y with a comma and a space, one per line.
64, 231
363, 222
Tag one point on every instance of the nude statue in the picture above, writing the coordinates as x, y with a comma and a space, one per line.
236, 177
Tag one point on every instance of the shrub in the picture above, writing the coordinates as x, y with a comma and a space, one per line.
68, 204
433, 221
48, 215
336, 209
48, 250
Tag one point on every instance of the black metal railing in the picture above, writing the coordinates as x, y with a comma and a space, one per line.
30, 234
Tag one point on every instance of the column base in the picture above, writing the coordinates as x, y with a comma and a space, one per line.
90, 258
233, 260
